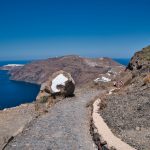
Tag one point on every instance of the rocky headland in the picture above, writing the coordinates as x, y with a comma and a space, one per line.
83, 70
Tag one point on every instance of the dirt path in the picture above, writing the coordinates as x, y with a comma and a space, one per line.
65, 127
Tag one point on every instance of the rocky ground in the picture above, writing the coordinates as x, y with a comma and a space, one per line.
128, 115
66, 126
13, 121
127, 112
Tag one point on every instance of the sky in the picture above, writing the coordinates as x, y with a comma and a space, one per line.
37, 29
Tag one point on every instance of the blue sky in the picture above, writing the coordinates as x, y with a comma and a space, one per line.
35, 29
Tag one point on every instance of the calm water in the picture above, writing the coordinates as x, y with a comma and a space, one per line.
123, 61
13, 93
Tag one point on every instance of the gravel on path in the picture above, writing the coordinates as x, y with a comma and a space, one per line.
65, 127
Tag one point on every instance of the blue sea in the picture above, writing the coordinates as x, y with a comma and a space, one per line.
14, 93
123, 61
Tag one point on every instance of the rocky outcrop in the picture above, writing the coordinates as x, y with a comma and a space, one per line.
83, 70
140, 62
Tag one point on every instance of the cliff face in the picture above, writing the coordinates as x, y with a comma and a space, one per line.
82, 70
140, 62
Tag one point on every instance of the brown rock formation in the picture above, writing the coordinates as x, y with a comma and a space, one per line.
82, 70
140, 62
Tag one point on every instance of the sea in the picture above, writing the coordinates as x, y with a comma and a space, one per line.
123, 61
15, 93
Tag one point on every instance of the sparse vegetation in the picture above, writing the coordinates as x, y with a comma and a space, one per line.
44, 99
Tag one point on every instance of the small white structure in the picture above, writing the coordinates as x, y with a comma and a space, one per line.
102, 79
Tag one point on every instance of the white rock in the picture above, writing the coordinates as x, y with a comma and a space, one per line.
102, 79
58, 80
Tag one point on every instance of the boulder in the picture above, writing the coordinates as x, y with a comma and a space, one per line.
60, 83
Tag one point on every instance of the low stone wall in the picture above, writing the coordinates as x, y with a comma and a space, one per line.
105, 133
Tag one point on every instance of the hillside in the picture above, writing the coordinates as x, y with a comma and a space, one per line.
83, 70
127, 112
